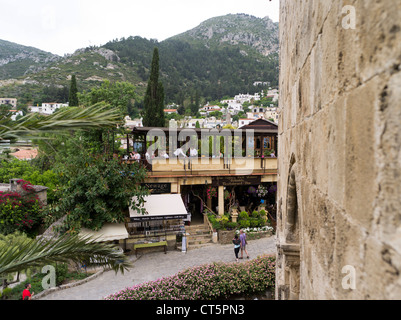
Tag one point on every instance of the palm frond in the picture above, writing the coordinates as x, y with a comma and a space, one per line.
37, 253
31, 126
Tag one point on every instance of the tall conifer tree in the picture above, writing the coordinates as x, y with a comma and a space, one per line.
154, 98
73, 97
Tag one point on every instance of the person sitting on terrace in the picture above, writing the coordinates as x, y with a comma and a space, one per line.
164, 154
193, 152
179, 153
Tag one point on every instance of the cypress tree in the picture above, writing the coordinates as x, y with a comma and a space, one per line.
73, 96
154, 98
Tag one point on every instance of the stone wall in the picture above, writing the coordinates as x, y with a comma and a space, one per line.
339, 193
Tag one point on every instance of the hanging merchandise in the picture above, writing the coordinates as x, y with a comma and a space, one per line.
251, 190
261, 191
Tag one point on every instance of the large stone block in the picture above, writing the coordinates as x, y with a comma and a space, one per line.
360, 169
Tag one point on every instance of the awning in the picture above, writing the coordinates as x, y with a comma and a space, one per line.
109, 232
161, 207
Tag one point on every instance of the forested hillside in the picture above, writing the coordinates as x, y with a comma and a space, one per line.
223, 56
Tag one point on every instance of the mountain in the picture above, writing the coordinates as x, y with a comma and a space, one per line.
223, 56
242, 30
17, 60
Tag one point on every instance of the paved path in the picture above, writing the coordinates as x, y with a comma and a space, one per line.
152, 266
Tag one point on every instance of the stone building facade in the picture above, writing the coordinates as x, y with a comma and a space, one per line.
339, 172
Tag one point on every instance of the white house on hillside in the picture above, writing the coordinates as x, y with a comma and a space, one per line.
47, 108
9, 101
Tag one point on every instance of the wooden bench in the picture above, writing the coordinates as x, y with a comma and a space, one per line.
150, 245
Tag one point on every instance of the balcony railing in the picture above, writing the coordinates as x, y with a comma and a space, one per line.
205, 165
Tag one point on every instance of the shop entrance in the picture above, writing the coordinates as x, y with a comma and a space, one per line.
192, 197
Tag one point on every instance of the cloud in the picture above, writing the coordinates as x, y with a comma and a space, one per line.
64, 26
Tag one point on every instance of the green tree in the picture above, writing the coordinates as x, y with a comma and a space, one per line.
73, 97
98, 190
20, 256
117, 94
24, 170
154, 98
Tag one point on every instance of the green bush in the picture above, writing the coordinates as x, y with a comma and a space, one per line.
61, 273
244, 224
6, 294
254, 223
25, 170
231, 225
243, 215
216, 225
255, 214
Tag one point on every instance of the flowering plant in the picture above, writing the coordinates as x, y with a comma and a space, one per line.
261, 229
251, 189
19, 212
261, 191
211, 192
207, 282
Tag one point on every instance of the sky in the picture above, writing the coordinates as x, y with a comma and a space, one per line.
63, 26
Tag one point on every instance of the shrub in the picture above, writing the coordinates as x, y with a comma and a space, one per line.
25, 170
19, 212
255, 214
207, 282
61, 272
254, 223
231, 225
6, 294
243, 215
216, 225
244, 224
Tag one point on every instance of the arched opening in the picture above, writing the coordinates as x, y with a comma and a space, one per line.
290, 250
292, 223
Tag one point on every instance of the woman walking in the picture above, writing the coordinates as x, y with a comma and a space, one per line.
242, 238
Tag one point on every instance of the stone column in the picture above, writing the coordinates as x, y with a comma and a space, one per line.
209, 203
221, 201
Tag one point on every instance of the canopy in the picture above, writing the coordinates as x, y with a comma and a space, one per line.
109, 232
161, 207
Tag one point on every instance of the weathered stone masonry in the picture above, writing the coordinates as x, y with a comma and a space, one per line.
339, 197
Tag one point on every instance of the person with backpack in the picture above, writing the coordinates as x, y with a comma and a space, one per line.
237, 246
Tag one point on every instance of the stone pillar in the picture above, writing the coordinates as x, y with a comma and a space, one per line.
221, 201
234, 215
15, 186
209, 203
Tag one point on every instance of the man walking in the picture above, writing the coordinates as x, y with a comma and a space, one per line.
26, 294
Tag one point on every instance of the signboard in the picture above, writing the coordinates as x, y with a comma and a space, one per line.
236, 181
158, 188
155, 218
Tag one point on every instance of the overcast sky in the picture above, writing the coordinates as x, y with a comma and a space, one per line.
63, 26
